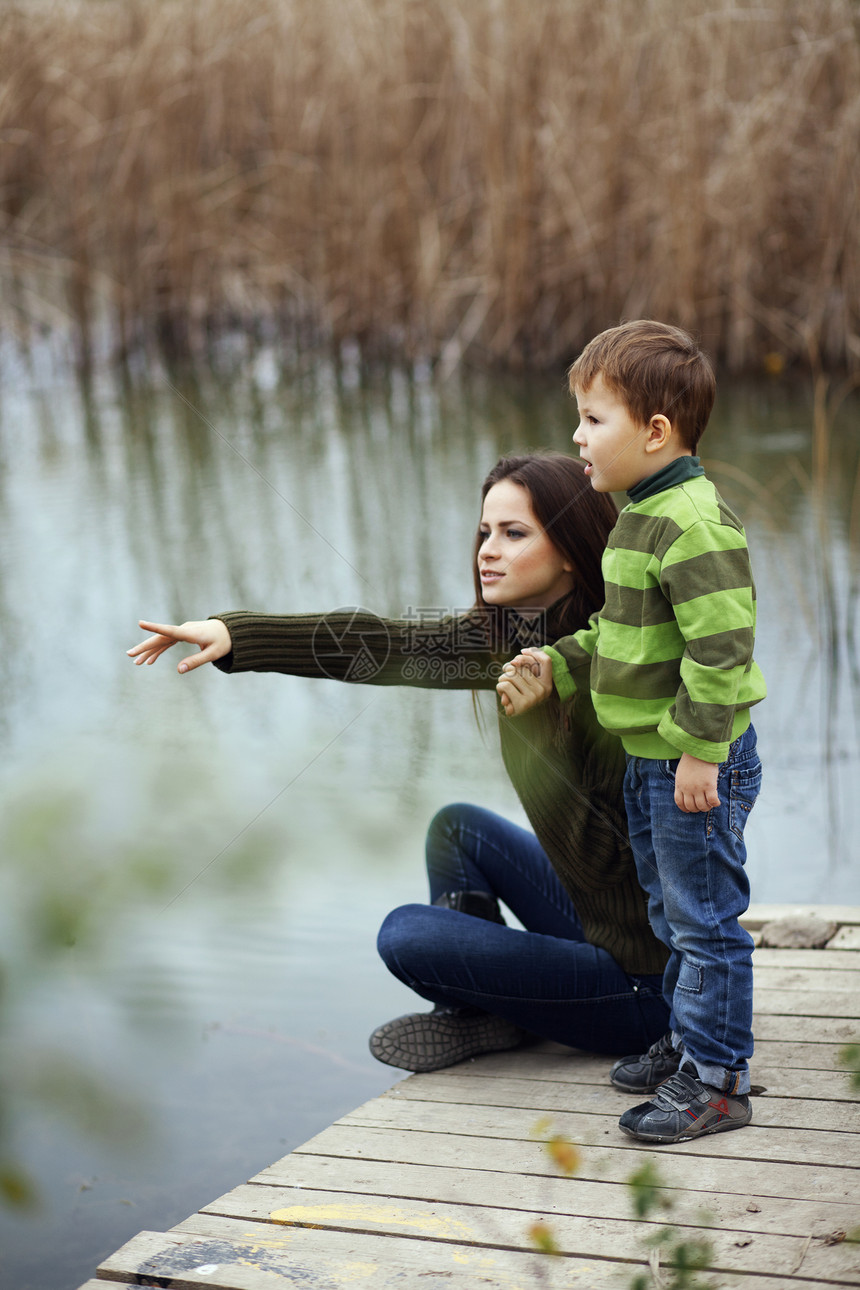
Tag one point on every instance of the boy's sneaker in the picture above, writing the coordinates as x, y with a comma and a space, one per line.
430, 1041
683, 1108
643, 1072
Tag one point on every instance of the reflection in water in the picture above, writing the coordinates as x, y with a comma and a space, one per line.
800, 500
305, 487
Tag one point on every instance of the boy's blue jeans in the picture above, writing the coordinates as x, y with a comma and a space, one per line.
692, 867
547, 979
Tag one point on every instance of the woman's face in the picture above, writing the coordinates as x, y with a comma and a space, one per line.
518, 564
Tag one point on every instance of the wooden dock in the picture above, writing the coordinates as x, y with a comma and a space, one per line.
439, 1181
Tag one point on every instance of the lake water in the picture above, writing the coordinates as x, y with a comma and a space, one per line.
193, 868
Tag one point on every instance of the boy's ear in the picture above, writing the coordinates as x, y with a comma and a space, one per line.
659, 432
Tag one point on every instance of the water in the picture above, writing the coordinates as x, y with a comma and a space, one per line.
195, 867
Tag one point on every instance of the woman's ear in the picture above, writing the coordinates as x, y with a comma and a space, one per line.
659, 433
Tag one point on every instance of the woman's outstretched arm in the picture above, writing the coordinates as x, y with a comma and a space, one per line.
212, 636
456, 652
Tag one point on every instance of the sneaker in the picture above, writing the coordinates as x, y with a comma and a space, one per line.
430, 1041
683, 1108
643, 1072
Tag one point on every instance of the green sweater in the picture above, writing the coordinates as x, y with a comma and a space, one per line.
568, 774
669, 657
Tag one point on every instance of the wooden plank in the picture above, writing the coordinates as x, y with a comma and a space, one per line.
486, 1266
442, 1176
844, 915
813, 960
811, 1030
797, 1055
600, 1095
296, 1175
574, 1066
831, 1089
782, 977
797, 1033
826, 1099
787, 1109
228, 1255
488, 1225
514, 1123
607, 1163
806, 1003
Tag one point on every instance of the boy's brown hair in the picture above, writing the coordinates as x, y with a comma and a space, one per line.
655, 369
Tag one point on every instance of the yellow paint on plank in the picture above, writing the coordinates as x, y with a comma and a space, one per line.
475, 1260
384, 1216
346, 1274
261, 1244
356, 1272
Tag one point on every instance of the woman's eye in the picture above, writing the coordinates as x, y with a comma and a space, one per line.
482, 536
515, 533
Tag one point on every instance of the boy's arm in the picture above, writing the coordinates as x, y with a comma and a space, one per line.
706, 577
571, 659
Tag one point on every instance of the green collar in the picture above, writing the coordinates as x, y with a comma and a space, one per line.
677, 472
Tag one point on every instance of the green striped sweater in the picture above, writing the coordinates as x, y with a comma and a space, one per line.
669, 657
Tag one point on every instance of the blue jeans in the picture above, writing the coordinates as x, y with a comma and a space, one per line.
692, 867
547, 979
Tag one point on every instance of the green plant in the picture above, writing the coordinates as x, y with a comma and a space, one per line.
683, 1257
563, 1153
565, 1157
80, 877
849, 1059
676, 1260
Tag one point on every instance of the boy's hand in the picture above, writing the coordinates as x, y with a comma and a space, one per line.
696, 784
526, 681
212, 636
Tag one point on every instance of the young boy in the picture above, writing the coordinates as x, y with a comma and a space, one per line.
669, 664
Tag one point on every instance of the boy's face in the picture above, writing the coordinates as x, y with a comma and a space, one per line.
610, 440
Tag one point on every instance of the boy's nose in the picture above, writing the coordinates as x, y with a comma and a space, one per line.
578, 436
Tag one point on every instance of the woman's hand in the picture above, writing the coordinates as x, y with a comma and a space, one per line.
212, 637
526, 681
696, 784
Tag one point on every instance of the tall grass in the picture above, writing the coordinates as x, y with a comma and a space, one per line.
435, 177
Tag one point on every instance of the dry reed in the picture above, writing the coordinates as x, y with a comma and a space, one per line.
435, 177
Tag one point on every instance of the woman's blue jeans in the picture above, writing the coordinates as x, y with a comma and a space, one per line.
547, 979
692, 867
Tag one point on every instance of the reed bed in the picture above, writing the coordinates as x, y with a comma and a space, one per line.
434, 178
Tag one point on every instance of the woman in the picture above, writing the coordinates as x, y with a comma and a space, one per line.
587, 970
